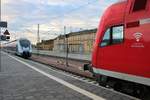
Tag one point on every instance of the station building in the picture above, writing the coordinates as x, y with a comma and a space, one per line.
46, 45
78, 42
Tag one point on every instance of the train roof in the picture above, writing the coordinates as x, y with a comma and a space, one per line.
16, 40
22, 39
114, 14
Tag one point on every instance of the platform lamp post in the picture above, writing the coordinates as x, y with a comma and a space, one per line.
0, 15
3, 24
38, 38
67, 50
66, 45
0, 35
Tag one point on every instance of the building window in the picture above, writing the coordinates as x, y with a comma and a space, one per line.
139, 5
113, 35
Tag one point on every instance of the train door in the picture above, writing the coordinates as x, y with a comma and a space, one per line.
110, 53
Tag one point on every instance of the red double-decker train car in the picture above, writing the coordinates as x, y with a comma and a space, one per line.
121, 52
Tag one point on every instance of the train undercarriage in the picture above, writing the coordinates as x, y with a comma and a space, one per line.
134, 89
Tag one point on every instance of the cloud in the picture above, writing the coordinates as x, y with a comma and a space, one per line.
65, 2
52, 15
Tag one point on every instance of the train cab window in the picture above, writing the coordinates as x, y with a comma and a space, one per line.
24, 43
139, 5
117, 34
113, 35
106, 38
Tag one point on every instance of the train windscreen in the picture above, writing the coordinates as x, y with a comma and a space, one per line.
25, 43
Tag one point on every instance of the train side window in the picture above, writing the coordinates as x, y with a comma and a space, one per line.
106, 38
117, 34
139, 5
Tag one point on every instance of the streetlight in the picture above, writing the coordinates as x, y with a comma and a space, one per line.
67, 49
66, 45
0, 35
38, 38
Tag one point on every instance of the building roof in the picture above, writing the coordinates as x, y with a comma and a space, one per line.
83, 32
79, 33
46, 41
69, 34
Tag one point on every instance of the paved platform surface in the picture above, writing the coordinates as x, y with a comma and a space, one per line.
19, 82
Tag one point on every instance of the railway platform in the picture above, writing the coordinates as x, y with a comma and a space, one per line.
86, 57
22, 79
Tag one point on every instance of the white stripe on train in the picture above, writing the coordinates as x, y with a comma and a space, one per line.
145, 21
123, 76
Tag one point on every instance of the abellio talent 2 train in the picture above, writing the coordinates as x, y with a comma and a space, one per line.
121, 52
21, 47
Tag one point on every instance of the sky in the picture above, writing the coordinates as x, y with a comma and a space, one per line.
23, 16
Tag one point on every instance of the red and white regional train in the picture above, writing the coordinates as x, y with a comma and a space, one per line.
121, 52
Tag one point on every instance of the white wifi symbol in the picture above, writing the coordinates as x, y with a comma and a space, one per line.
137, 36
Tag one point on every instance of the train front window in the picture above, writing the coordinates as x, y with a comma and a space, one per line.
113, 35
24, 43
106, 38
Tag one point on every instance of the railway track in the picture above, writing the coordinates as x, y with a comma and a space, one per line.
88, 80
